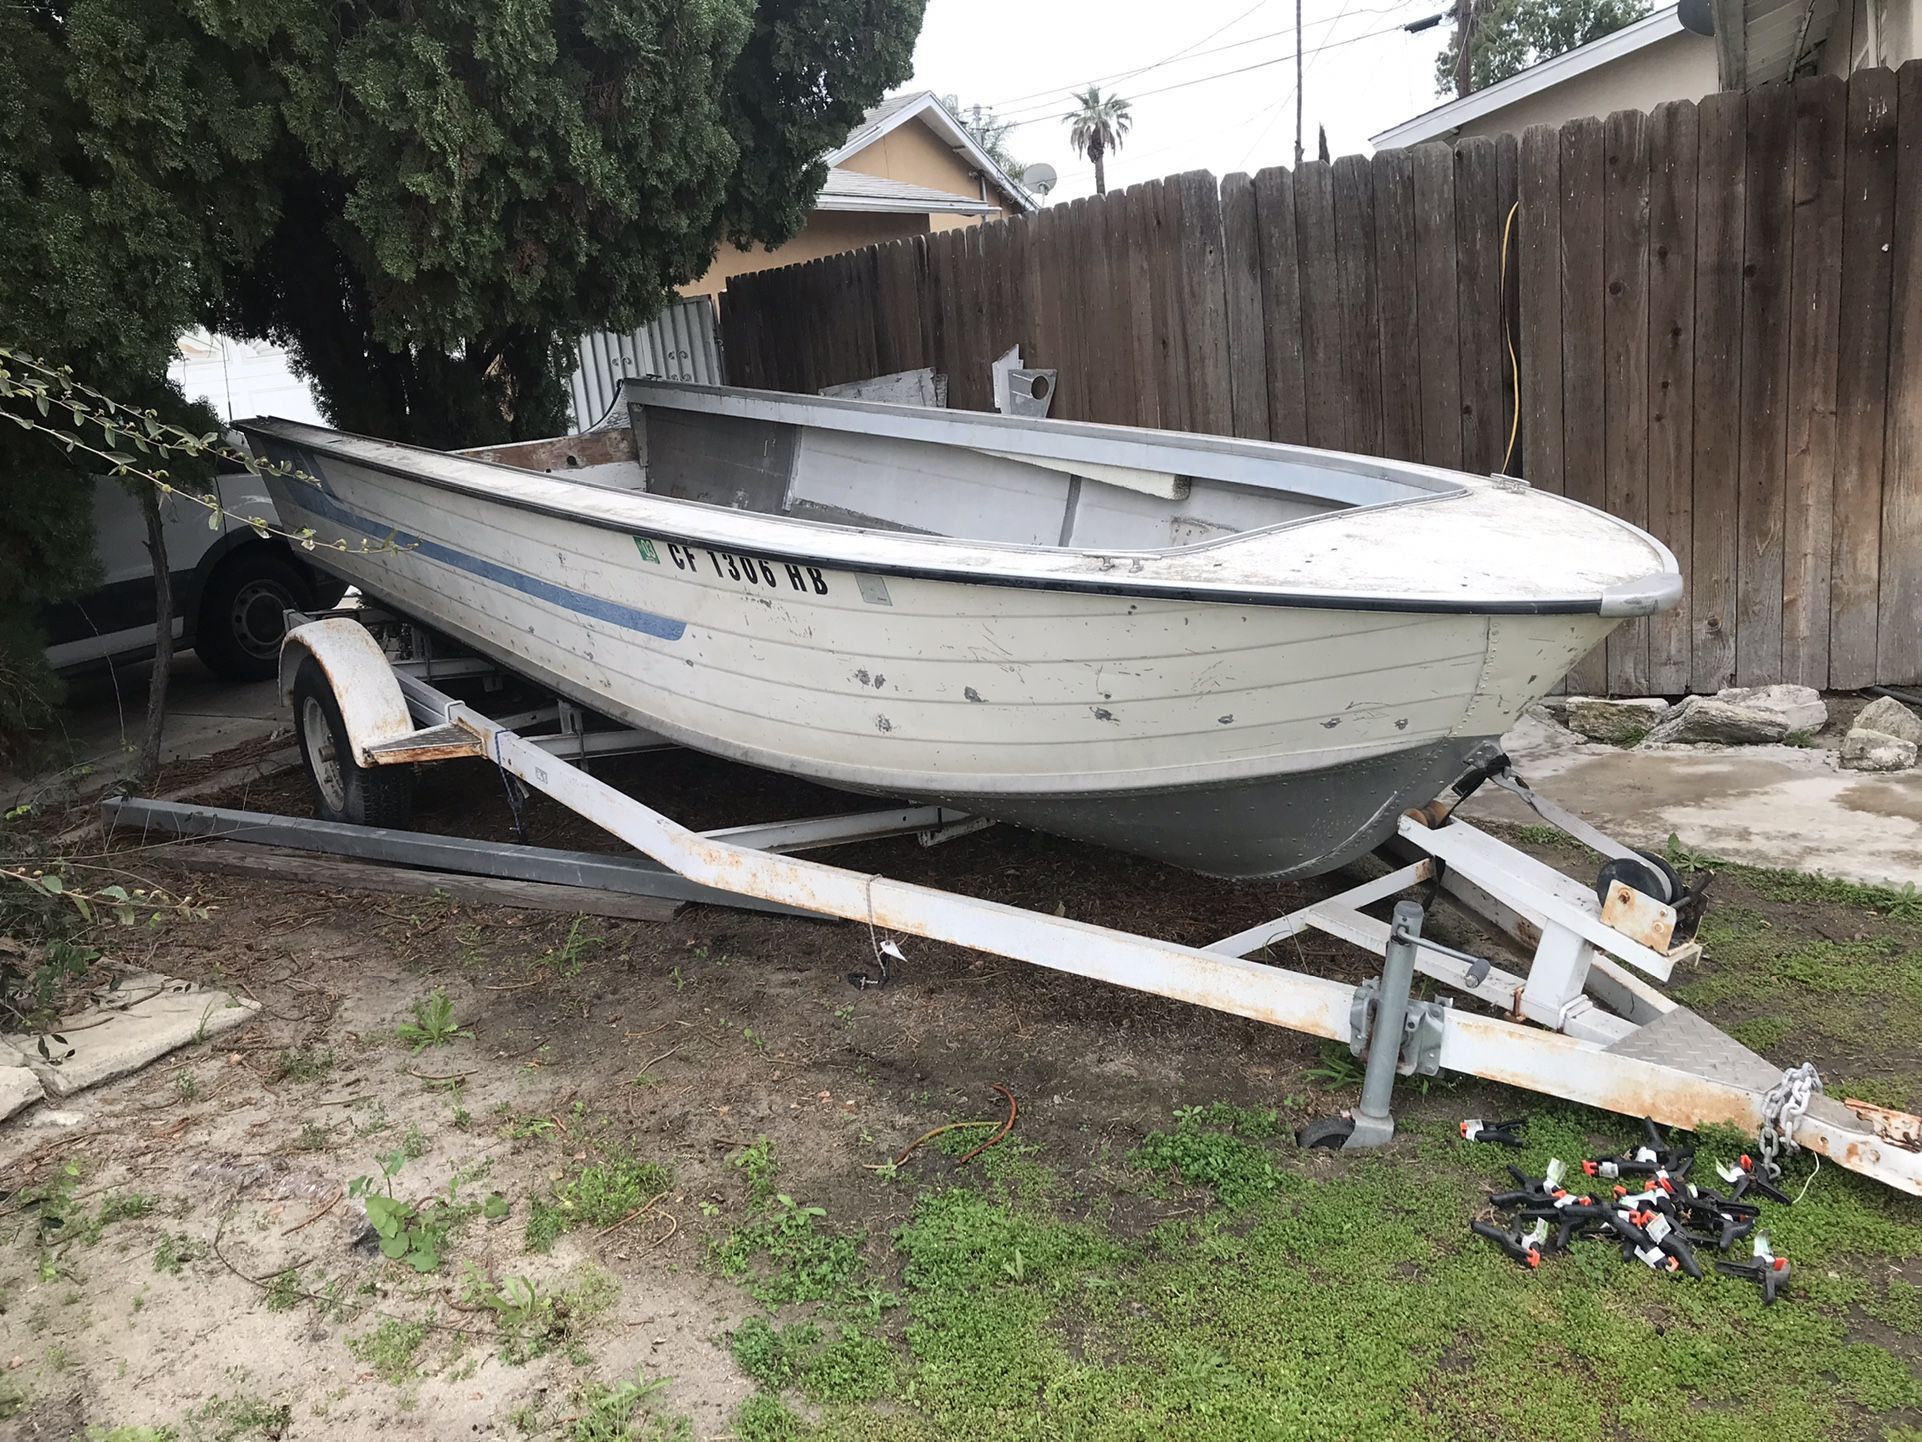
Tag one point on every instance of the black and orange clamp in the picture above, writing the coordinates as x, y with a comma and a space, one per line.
1766, 1270
1535, 1191
1501, 1134
1524, 1247
1745, 1177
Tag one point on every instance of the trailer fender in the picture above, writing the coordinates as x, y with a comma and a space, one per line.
370, 700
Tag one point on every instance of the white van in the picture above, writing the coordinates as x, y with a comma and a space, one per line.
230, 585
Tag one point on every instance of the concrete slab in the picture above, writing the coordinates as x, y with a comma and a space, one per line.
106, 710
1762, 805
19, 1087
110, 1043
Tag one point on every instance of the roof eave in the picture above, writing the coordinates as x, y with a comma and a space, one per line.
903, 206
929, 105
1449, 117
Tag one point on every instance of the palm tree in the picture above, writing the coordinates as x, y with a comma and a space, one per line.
1097, 125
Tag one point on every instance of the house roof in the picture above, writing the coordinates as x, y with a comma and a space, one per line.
926, 106
1777, 35
853, 190
1443, 119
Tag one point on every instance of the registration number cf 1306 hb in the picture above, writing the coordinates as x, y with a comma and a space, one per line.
747, 570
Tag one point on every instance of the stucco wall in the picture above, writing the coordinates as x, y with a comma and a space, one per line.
909, 152
828, 232
1680, 67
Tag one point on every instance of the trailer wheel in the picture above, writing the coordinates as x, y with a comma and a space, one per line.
344, 790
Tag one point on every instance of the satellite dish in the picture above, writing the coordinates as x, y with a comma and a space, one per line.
1696, 15
1040, 177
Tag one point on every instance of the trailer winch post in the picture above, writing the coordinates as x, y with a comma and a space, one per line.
1374, 1122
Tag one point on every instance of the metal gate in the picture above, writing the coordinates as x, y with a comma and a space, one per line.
679, 344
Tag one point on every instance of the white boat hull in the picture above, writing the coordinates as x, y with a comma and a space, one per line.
1237, 739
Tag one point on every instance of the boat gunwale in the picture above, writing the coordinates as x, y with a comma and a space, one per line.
1116, 584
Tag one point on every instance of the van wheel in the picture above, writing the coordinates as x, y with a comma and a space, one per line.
344, 790
242, 615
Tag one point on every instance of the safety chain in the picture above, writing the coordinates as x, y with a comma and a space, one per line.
1782, 1111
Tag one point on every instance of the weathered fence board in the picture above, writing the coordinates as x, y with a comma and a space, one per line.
1707, 320
1672, 178
1868, 219
1899, 641
1584, 424
1625, 358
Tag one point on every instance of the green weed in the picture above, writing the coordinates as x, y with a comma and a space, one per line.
433, 1023
389, 1349
623, 1413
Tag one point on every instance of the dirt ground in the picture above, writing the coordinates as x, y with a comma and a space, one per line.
666, 1106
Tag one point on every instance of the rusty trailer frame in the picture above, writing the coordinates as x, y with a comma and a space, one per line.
1582, 1022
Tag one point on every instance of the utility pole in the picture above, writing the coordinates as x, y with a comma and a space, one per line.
1464, 28
1298, 84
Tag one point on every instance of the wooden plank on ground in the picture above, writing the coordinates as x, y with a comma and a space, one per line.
1760, 522
1205, 287
1625, 359
1868, 219
1899, 633
1438, 346
1247, 347
1585, 477
1400, 305
1326, 408
1281, 304
1478, 234
1360, 315
1721, 219
1671, 374
1815, 343
232, 858
1538, 236
1140, 300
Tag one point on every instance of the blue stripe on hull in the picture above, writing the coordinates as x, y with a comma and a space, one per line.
322, 503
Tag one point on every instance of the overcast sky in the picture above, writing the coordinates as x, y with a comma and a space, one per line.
1022, 57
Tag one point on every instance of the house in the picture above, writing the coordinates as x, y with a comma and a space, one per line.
909, 168
1658, 58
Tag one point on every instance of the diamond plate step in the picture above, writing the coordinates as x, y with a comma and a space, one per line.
1684, 1041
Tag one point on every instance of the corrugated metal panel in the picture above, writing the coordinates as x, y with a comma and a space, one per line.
679, 344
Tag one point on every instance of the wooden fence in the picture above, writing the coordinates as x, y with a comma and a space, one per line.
1707, 320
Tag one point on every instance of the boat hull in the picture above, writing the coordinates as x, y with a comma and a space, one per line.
1234, 739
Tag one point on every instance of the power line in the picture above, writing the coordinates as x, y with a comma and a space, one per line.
1225, 74
1067, 91
1182, 53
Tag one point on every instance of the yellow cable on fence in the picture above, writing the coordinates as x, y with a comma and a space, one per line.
1508, 339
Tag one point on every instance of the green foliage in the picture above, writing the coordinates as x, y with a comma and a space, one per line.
1206, 1154
624, 1413
389, 1349
533, 1322
417, 1234
1096, 128
433, 1023
851, 1367
173, 1251
801, 1259
599, 1194
1510, 35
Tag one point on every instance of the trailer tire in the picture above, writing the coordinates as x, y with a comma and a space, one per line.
344, 790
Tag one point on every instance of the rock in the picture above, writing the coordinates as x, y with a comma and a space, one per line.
1601, 718
1890, 717
1800, 707
1875, 751
1712, 720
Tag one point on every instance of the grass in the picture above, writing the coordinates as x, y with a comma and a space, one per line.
389, 1349
624, 1412
1355, 1305
598, 1195
433, 1023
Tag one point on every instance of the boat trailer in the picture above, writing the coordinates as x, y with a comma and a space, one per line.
1581, 1020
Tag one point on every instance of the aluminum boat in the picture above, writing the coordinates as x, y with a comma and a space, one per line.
1239, 657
